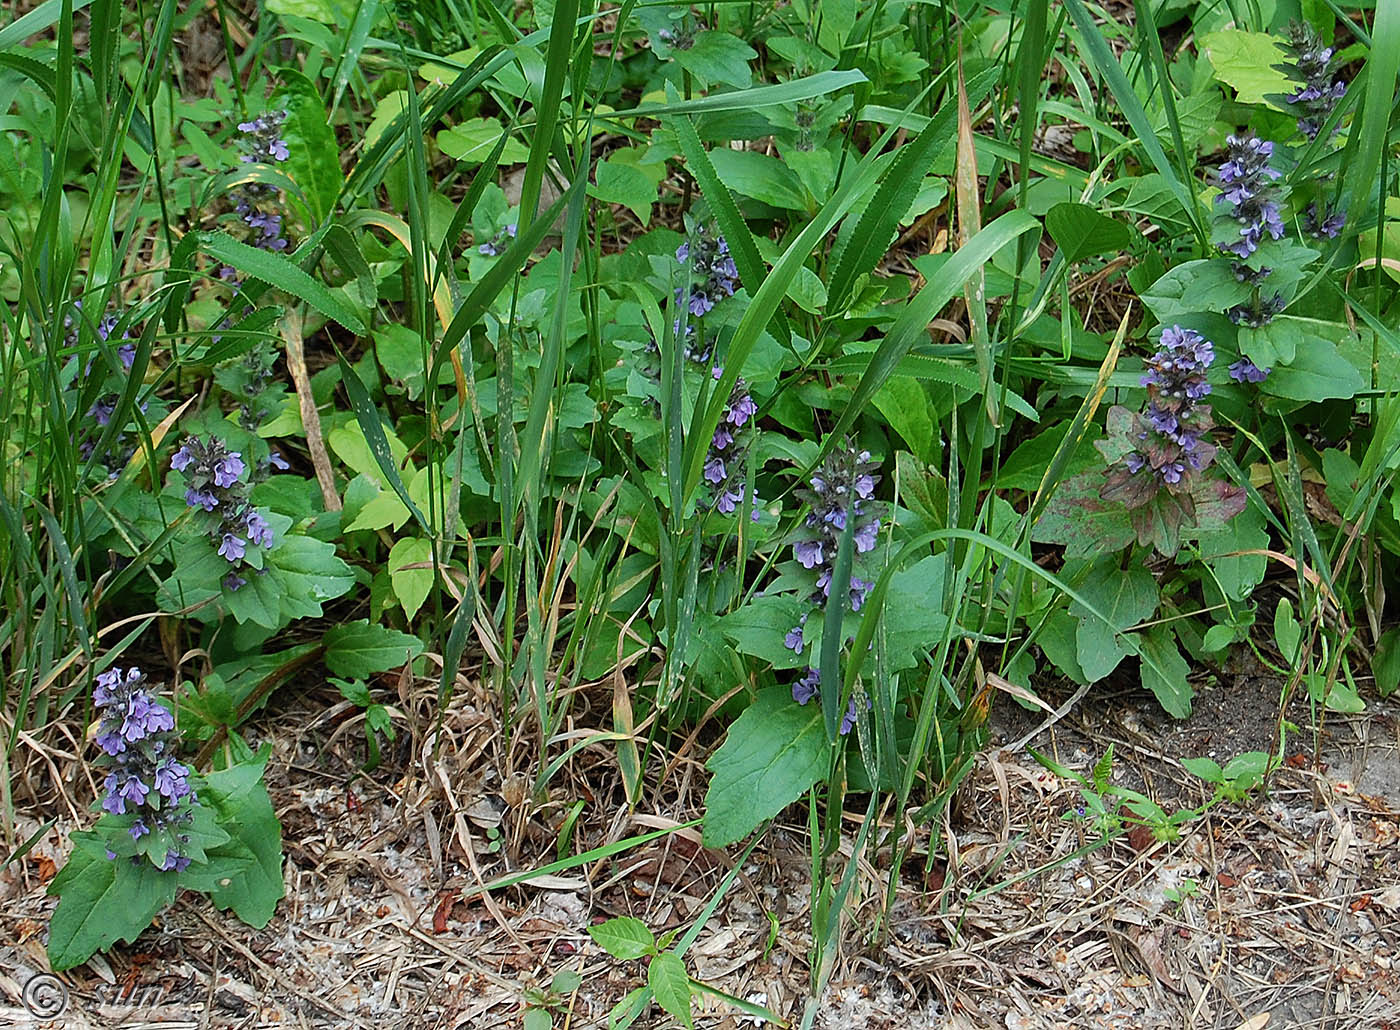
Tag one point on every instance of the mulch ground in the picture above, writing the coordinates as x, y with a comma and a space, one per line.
1282, 911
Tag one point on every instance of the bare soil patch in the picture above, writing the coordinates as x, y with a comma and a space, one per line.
1285, 905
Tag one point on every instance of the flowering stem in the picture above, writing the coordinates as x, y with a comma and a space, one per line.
831, 631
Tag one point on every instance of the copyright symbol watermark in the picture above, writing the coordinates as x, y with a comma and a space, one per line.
45, 996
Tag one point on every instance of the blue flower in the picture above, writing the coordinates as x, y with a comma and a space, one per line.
1246, 371
232, 547
136, 732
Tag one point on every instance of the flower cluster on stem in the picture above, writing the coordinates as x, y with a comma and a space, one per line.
809, 688
100, 413
1248, 196
257, 202
146, 781
1312, 65
713, 275
1249, 211
215, 485
726, 464
840, 492
1171, 430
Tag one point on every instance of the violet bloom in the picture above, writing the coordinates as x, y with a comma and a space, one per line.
839, 490
726, 465
793, 641
1173, 422
1323, 224
145, 778
713, 274
232, 547
262, 139
1248, 196
1246, 371
259, 530
228, 469
201, 499
808, 687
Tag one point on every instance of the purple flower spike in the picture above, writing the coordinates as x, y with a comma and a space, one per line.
1312, 65
145, 778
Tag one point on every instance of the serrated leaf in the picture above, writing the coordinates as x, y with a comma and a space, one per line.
276, 270
624, 937
667, 978
360, 649
774, 751
1078, 518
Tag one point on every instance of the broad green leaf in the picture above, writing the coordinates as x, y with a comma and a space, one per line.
905, 406
100, 901
774, 751
1288, 634
758, 629
348, 444
1248, 61
1193, 287
1385, 663
300, 574
246, 811
1238, 574
1082, 231
666, 976
1126, 597
390, 106
761, 177
360, 649
316, 10
472, 141
1205, 768
411, 585
626, 183
1317, 372
717, 57
624, 938
1164, 671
